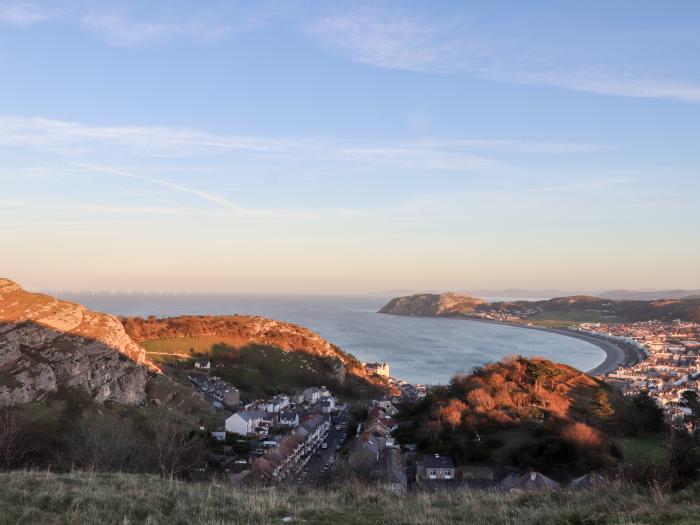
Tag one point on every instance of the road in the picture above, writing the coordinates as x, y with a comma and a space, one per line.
323, 460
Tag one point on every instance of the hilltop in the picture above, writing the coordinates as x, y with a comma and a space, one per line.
260, 356
528, 413
446, 304
574, 308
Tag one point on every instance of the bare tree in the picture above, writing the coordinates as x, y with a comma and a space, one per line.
175, 447
13, 448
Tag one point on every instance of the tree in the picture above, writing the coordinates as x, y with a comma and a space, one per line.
602, 407
452, 413
10, 440
480, 399
175, 447
685, 457
690, 399
649, 415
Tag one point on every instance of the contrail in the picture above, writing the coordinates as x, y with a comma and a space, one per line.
166, 184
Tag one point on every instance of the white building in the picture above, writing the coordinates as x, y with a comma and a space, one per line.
381, 369
312, 395
246, 422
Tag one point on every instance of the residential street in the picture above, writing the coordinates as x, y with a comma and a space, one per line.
324, 460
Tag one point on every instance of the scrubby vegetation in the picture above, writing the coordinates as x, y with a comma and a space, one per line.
530, 413
70, 431
47, 498
257, 370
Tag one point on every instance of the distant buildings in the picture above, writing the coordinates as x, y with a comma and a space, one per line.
671, 365
216, 389
381, 369
246, 422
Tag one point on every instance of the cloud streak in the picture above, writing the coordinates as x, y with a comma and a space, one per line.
393, 41
214, 199
71, 139
117, 25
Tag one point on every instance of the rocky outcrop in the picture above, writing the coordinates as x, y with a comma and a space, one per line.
47, 344
445, 304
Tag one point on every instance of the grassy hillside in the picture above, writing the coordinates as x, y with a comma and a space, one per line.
29, 498
260, 356
258, 370
529, 413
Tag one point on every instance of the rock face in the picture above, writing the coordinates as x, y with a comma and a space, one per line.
432, 305
47, 344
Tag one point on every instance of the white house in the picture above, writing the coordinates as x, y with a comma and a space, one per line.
288, 418
203, 365
312, 395
245, 422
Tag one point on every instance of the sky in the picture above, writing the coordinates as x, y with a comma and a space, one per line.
349, 147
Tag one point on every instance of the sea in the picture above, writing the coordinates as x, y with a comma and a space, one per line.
422, 350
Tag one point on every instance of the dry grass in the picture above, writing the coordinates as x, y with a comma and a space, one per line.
32, 497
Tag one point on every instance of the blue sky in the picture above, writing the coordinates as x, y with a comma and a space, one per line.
349, 146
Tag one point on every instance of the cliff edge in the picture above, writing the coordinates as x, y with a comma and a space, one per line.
47, 345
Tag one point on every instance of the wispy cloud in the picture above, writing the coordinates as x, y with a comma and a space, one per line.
124, 24
383, 40
120, 29
209, 197
22, 14
71, 139
393, 41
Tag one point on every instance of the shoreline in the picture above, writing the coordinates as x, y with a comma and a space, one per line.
617, 354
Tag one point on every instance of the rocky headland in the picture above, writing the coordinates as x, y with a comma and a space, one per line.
47, 345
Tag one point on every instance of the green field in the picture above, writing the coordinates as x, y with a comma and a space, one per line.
170, 350
563, 319
645, 450
48, 498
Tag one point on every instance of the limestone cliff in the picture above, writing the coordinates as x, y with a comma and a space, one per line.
47, 344
445, 304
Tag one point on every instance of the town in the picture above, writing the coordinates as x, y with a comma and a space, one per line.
669, 364
301, 437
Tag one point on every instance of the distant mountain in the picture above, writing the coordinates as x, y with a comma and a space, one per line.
432, 305
649, 295
455, 305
